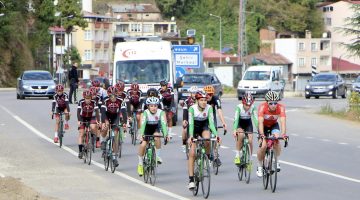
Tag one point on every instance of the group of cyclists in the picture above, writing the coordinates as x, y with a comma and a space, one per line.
115, 108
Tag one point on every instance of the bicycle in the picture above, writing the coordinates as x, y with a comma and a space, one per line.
61, 127
88, 146
245, 166
202, 167
270, 162
149, 160
214, 153
109, 151
120, 140
134, 128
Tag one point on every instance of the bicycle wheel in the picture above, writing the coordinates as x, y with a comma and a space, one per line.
152, 168
248, 165
120, 142
89, 150
134, 130
205, 176
240, 172
85, 150
266, 170
196, 177
146, 166
273, 171
93, 142
60, 133
106, 158
111, 157
216, 156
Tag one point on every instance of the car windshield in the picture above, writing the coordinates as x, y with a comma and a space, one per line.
37, 76
257, 75
143, 71
357, 80
324, 78
203, 79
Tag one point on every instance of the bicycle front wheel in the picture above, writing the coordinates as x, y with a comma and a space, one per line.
273, 171
216, 156
266, 164
152, 168
205, 176
146, 166
89, 147
196, 177
248, 165
120, 142
61, 133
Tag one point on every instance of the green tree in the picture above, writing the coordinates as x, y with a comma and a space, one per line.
72, 55
68, 8
353, 28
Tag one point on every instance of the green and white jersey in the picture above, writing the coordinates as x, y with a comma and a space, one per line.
242, 114
153, 120
198, 117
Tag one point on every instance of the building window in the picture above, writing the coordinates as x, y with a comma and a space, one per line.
301, 62
106, 56
88, 35
172, 28
301, 46
328, 21
313, 61
60, 41
147, 28
135, 28
106, 36
313, 46
87, 55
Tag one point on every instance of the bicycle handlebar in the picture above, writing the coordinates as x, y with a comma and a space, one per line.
274, 138
204, 139
158, 136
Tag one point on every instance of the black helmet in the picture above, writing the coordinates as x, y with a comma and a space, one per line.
163, 83
152, 92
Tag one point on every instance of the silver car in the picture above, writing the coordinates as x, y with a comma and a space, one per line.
356, 85
35, 83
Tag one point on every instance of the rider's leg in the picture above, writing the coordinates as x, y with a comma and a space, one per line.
191, 162
206, 134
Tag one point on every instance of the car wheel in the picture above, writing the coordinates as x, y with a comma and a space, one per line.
344, 95
316, 97
335, 94
17, 96
307, 96
239, 98
51, 97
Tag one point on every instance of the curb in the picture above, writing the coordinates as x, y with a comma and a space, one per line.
7, 89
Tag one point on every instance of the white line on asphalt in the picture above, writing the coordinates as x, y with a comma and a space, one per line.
224, 147
343, 143
123, 175
358, 147
294, 134
2, 175
325, 140
309, 137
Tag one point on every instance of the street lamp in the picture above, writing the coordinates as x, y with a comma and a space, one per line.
212, 15
61, 46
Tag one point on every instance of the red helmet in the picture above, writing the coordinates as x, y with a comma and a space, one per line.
248, 99
134, 86
120, 86
87, 93
94, 90
96, 83
59, 88
111, 90
200, 94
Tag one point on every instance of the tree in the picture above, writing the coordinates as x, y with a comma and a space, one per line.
353, 28
67, 8
72, 55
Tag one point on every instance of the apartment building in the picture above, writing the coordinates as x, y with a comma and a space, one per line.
305, 53
61, 41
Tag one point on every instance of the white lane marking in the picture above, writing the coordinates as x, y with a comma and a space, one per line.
41, 135
294, 134
358, 147
292, 110
343, 143
2, 175
224, 147
2, 124
325, 140
309, 137
179, 136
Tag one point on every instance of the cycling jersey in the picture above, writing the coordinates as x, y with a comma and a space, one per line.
85, 111
60, 102
271, 117
201, 120
150, 123
166, 96
134, 98
187, 103
98, 101
243, 119
111, 110
122, 95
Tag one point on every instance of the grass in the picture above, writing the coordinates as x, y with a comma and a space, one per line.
351, 114
229, 90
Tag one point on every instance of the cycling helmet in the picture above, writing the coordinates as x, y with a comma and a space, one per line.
193, 89
163, 83
94, 90
111, 90
152, 92
248, 99
120, 86
87, 93
200, 94
134, 86
272, 96
96, 83
209, 89
59, 88
152, 100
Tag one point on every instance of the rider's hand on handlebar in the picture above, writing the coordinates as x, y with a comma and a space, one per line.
276, 135
185, 123
235, 134
79, 123
190, 140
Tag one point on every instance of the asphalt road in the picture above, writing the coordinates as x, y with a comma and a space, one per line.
321, 161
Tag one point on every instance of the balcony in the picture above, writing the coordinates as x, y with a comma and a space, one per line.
106, 25
97, 25
106, 44
97, 44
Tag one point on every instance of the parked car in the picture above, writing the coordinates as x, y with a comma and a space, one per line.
200, 80
356, 85
326, 84
35, 83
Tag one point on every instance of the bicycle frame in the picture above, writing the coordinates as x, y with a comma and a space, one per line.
87, 150
149, 160
109, 152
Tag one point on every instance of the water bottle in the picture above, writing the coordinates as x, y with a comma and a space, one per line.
149, 153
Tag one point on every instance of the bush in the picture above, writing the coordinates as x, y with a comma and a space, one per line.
228, 90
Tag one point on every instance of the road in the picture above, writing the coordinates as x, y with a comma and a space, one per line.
321, 161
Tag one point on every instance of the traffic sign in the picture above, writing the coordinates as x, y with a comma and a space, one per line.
180, 72
187, 56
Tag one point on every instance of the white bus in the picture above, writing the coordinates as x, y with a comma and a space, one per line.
147, 63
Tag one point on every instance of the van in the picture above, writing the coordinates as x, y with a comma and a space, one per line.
146, 62
258, 80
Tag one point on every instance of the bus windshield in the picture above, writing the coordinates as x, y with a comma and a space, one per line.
142, 71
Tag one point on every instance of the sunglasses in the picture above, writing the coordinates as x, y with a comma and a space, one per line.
272, 103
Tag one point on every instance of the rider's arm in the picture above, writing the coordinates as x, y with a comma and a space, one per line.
254, 117
211, 121
123, 112
218, 105
143, 123
53, 104
191, 122
103, 113
261, 120
236, 118
163, 123
67, 102
185, 112
78, 112
97, 113
283, 120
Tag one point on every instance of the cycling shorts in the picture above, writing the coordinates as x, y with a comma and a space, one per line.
271, 130
246, 125
150, 130
92, 120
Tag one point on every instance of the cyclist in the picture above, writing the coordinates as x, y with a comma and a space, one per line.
60, 104
215, 101
187, 103
120, 86
151, 121
101, 91
200, 120
134, 94
110, 114
269, 113
86, 107
167, 99
152, 92
245, 115
96, 97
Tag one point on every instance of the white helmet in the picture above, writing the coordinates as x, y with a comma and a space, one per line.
193, 89
272, 96
152, 100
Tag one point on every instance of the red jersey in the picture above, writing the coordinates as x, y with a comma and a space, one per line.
166, 96
86, 110
270, 118
134, 97
60, 101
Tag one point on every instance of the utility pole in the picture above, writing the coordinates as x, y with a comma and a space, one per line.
242, 46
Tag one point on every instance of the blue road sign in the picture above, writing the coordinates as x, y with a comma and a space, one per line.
187, 56
180, 72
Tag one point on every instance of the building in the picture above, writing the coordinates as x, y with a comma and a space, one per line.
335, 16
305, 53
